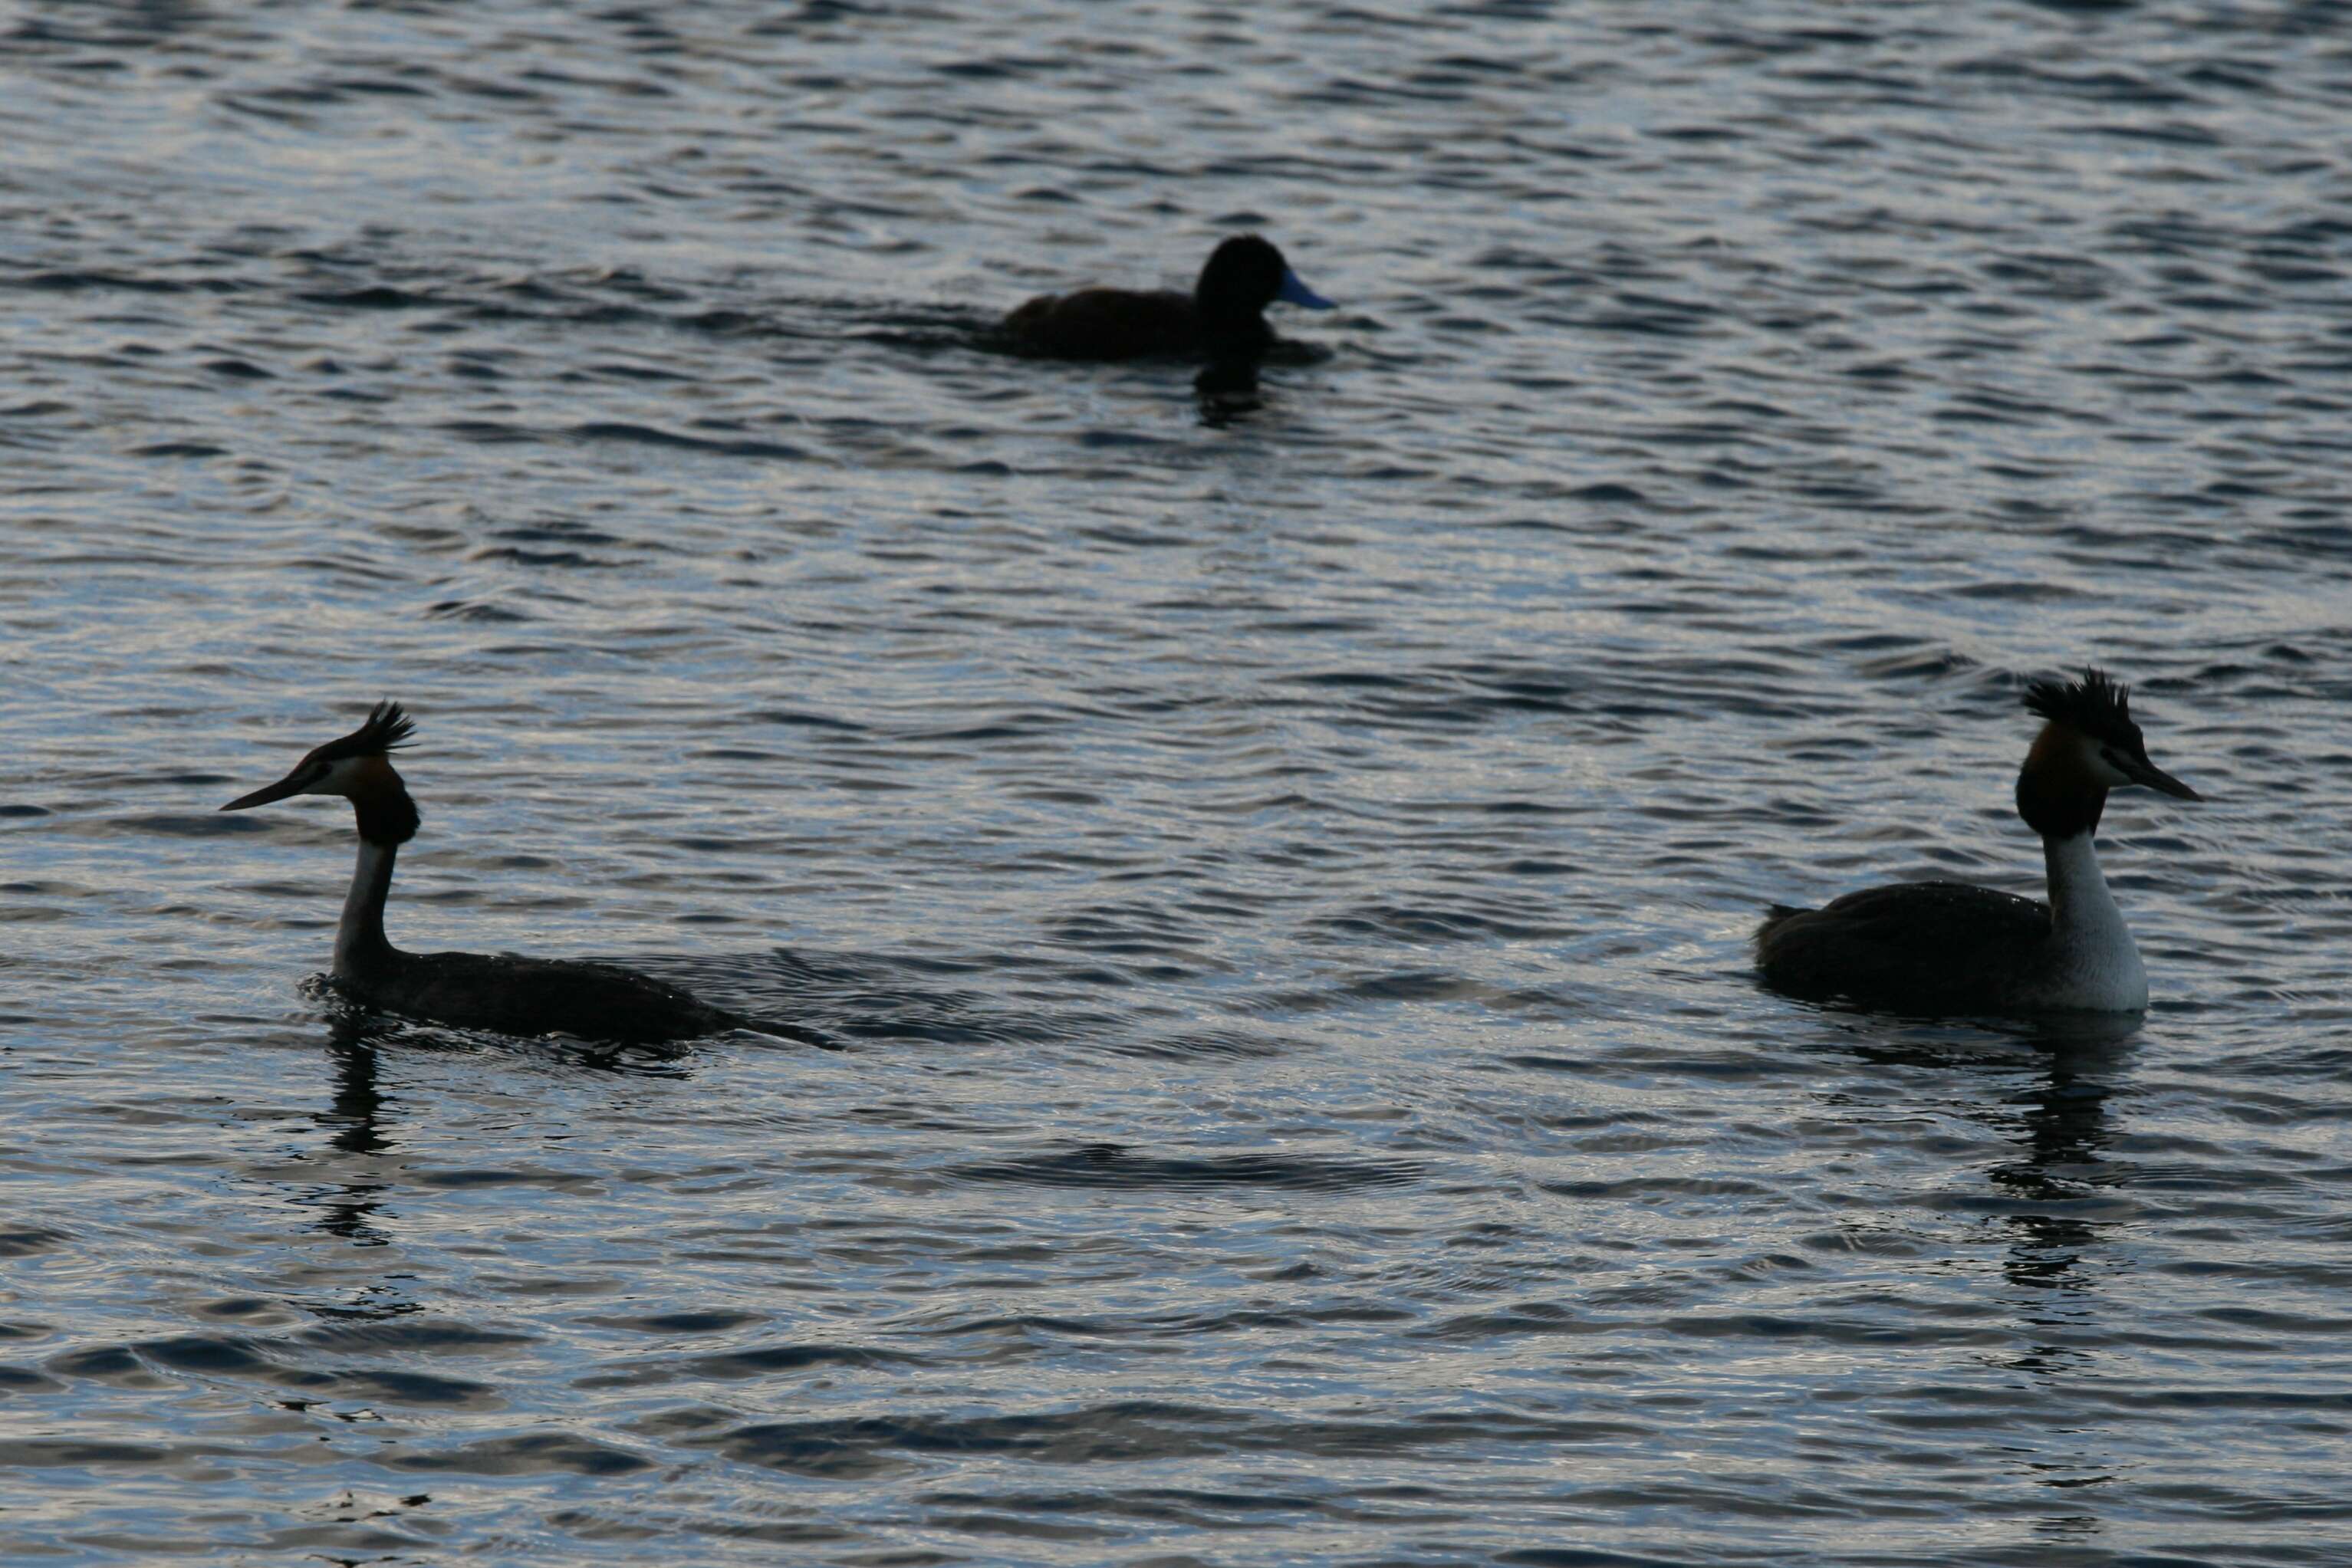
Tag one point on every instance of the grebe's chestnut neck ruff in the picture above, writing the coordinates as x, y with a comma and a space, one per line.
1949, 947
471, 990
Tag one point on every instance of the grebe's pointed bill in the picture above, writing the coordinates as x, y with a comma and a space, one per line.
1294, 291
2140, 771
294, 783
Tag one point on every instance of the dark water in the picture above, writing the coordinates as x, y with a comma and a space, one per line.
1281, 871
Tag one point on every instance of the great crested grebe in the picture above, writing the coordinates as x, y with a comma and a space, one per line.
1949, 947
471, 990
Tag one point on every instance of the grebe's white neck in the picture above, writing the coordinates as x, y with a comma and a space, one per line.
2093, 963
359, 944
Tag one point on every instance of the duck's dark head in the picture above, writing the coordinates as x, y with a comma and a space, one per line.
2088, 745
357, 767
1246, 274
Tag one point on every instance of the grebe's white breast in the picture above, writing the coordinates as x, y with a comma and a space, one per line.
2093, 963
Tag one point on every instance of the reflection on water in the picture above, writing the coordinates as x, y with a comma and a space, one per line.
352, 1130
2064, 1125
2056, 1234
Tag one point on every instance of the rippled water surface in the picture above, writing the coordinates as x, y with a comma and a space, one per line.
1279, 867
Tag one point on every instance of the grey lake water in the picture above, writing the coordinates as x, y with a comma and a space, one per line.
1279, 867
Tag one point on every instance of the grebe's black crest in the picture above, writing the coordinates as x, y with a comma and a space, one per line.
388, 729
2097, 704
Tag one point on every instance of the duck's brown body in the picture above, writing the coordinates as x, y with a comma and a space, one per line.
1110, 324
